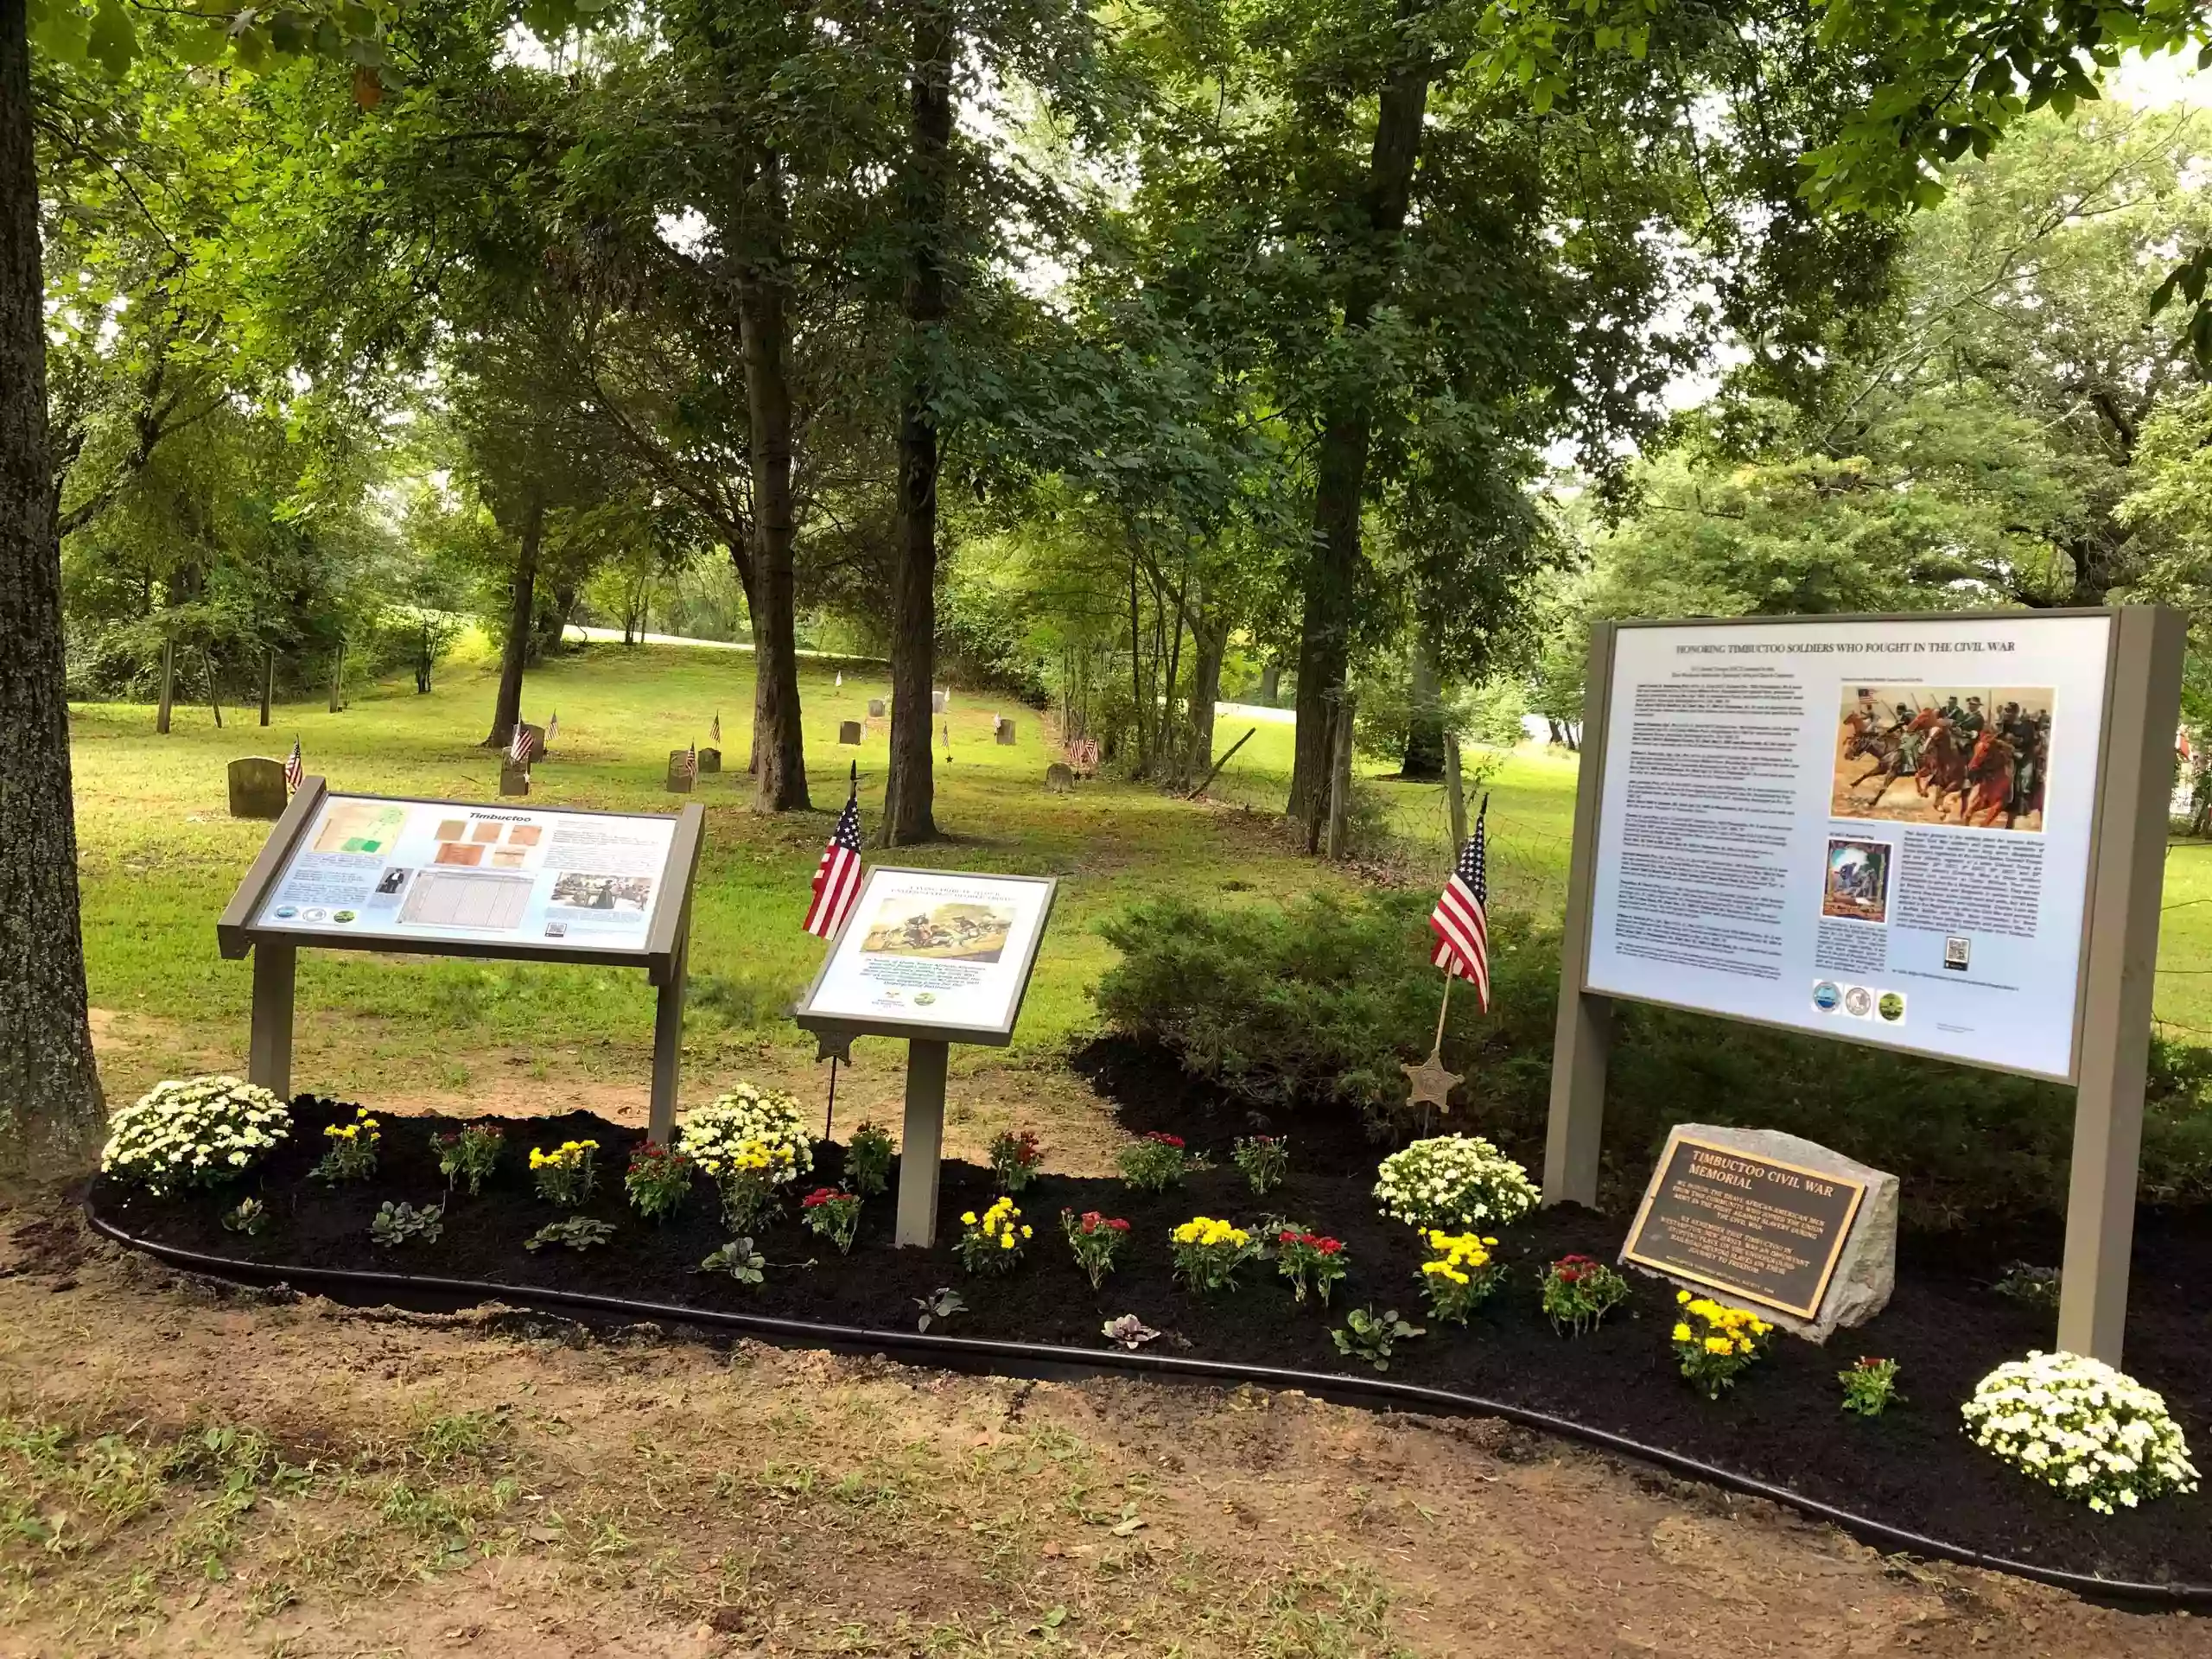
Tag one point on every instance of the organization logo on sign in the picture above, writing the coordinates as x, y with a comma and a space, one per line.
1958, 952
1859, 1001
1826, 994
1892, 1006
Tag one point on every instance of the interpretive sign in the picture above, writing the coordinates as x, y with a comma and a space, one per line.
399, 872
1940, 833
1753, 1228
457, 879
1876, 830
934, 951
936, 957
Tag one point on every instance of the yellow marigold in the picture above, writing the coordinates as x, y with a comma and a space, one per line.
1681, 1333
967, 1218
1719, 1345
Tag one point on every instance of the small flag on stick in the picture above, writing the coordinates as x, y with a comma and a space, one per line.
691, 762
715, 734
1461, 918
552, 728
518, 751
296, 768
838, 878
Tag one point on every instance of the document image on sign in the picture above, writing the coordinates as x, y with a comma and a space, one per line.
932, 947
1976, 757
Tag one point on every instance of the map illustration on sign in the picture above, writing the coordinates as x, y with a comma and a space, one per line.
439, 870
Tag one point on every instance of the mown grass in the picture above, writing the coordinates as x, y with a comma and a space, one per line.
160, 857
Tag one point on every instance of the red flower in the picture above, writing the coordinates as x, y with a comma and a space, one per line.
1286, 1236
1165, 1140
1118, 1224
1092, 1221
1326, 1246
822, 1195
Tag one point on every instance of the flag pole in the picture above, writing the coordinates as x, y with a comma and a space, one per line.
832, 1112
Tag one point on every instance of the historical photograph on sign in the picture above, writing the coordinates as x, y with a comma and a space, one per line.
1858, 884
952, 933
587, 892
1974, 756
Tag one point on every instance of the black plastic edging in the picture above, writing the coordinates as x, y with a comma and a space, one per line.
1046, 1358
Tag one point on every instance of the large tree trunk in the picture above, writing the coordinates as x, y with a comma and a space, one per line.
1212, 640
51, 1119
1340, 483
521, 607
167, 700
1424, 757
1271, 681
779, 743
909, 790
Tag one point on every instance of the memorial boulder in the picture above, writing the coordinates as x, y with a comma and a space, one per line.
1803, 1235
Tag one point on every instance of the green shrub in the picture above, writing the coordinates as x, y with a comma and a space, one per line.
1313, 1004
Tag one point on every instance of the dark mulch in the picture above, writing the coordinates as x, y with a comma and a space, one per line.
1911, 1468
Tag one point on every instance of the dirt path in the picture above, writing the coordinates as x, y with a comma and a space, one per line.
186, 1471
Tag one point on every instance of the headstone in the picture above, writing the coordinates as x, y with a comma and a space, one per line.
257, 787
937, 702
710, 762
848, 731
513, 780
679, 772
536, 740
1805, 1236
875, 708
1059, 779
1004, 730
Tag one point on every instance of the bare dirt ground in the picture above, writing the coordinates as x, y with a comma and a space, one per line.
187, 1471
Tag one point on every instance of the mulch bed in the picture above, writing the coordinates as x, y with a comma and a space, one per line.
1911, 1468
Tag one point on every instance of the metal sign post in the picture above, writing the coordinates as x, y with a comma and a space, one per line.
488, 868
2116, 954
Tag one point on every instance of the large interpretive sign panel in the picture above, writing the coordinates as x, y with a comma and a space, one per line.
1878, 829
409, 872
933, 950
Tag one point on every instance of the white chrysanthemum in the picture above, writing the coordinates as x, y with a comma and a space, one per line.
711, 1135
1454, 1182
194, 1132
2082, 1428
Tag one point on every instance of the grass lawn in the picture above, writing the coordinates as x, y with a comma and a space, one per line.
160, 857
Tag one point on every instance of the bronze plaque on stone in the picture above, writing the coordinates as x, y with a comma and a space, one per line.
1750, 1227
848, 731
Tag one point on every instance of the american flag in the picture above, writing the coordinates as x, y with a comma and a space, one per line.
716, 735
518, 750
838, 878
296, 768
692, 761
552, 728
1461, 918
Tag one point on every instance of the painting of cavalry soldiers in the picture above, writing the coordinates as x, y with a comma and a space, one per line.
1975, 756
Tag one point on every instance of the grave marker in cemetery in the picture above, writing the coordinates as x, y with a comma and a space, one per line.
848, 731
1003, 728
875, 708
1943, 834
257, 787
936, 957
710, 762
937, 702
457, 879
514, 779
682, 770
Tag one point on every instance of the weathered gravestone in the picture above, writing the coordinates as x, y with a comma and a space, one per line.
1806, 1236
937, 702
1003, 729
875, 708
536, 740
513, 780
679, 772
848, 731
257, 788
710, 762
1058, 778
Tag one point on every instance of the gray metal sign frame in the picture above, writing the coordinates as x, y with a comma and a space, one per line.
664, 955
928, 1050
2113, 986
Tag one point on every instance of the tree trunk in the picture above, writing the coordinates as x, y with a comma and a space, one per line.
215, 701
1271, 681
909, 790
521, 608
1340, 780
1212, 642
168, 688
269, 683
779, 743
1340, 482
1455, 794
337, 677
51, 1119
1424, 759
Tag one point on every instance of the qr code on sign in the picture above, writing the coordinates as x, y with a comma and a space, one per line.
1957, 952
